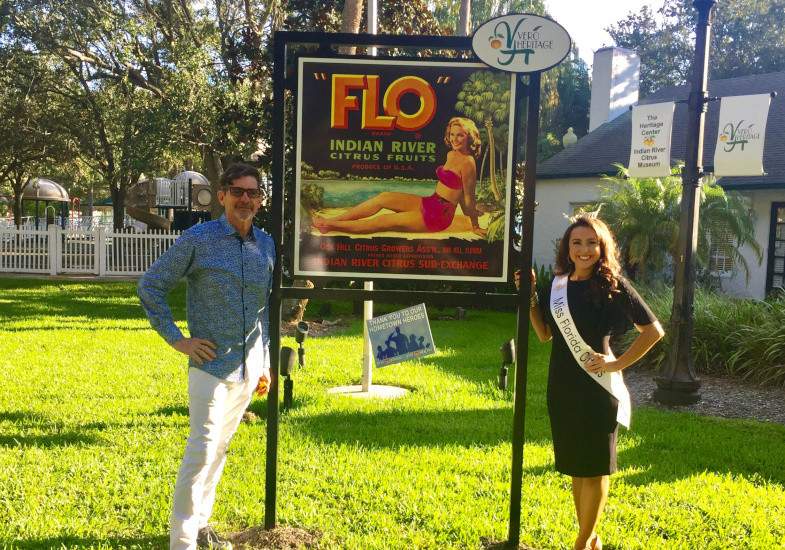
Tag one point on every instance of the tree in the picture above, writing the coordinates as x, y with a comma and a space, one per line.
644, 215
350, 21
464, 19
35, 115
111, 77
746, 39
485, 98
448, 13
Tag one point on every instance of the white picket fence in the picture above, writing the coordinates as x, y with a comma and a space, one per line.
96, 251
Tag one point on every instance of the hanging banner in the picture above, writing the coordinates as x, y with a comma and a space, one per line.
403, 169
400, 336
742, 135
650, 148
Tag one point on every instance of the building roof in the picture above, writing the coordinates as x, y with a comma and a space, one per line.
596, 152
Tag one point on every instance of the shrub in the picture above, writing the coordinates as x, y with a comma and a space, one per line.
731, 336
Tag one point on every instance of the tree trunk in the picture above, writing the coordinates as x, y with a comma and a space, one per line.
118, 205
16, 186
213, 169
350, 22
482, 165
465, 19
293, 310
492, 158
17, 209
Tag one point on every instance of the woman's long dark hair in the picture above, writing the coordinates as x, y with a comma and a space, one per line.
607, 270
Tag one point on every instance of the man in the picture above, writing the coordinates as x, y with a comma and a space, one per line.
228, 266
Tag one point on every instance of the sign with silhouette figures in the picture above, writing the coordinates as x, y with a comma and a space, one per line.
400, 336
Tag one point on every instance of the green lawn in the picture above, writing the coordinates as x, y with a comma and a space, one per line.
93, 420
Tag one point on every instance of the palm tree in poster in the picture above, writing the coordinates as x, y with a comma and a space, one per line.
485, 98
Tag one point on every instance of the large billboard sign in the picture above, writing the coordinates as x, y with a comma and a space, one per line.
404, 169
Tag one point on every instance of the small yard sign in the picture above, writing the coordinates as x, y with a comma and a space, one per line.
400, 335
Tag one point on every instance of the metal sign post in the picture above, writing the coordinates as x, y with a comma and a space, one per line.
523, 43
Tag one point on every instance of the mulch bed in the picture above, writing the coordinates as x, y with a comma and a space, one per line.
503, 545
280, 538
317, 328
725, 397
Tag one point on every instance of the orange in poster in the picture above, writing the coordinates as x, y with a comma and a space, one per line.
342, 102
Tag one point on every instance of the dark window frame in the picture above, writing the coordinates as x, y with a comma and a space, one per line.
772, 243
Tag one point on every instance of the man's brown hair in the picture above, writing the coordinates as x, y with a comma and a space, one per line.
236, 171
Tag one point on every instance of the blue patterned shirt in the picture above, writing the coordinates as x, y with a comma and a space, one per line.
229, 280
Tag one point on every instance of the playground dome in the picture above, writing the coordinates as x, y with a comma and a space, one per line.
195, 177
42, 189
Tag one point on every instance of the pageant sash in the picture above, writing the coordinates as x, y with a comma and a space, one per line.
613, 382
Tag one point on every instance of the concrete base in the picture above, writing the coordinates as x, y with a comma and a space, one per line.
375, 391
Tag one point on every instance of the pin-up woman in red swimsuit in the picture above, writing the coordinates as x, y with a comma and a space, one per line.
417, 214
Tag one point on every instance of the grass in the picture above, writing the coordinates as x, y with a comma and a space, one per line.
93, 419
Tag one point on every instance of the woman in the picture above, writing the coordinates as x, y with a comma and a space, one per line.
457, 180
583, 413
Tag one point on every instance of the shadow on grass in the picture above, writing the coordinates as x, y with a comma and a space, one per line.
673, 446
47, 441
34, 300
171, 410
27, 417
66, 541
393, 429
31, 429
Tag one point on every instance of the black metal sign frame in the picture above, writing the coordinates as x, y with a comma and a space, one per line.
282, 42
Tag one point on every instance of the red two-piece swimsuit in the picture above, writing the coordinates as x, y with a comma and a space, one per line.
438, 212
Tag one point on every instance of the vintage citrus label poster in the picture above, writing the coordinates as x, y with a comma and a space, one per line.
403, 169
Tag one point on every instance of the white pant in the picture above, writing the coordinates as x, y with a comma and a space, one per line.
215, 408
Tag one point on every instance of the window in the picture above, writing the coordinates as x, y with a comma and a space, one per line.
721, 254
576, 207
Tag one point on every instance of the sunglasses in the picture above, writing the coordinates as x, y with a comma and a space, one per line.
239, 191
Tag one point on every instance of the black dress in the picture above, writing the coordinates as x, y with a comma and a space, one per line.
583, 413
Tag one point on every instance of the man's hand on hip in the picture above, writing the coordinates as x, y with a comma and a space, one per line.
198, 349
264, 383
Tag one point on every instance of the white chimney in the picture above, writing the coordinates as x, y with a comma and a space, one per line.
615, 79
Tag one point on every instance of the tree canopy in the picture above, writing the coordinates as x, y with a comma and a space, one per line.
748, 37
98, 92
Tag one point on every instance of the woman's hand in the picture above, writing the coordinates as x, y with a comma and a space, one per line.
532, 278
601, 364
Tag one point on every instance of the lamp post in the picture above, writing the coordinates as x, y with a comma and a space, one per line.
677, 383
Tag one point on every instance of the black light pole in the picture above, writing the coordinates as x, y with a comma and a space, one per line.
522, 331
677, 383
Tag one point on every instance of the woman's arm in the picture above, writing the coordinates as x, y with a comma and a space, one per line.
649, 335
538, 323
468, 200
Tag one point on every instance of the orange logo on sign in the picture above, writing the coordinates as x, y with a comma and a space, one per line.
342, 102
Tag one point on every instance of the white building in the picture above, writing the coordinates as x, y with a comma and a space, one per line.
571, 178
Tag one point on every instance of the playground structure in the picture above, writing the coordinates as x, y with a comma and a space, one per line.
170, 204
50, 193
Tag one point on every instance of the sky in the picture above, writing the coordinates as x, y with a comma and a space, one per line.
586, 20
